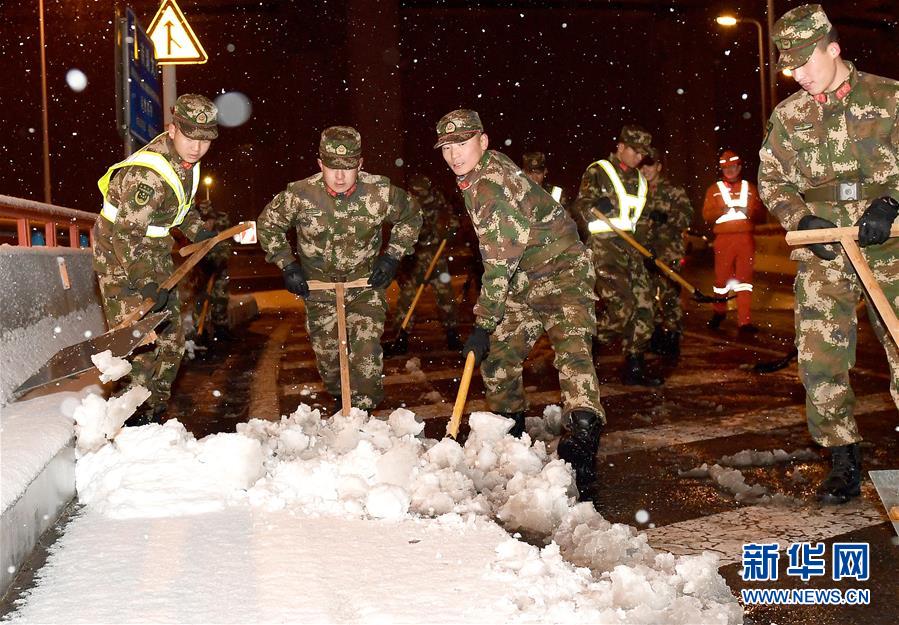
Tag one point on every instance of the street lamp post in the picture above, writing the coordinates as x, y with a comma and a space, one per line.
207, 182
729, 20
44, 116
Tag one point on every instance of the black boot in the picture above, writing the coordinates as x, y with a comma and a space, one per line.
715, 321
578, 447
659, 340
845, 477
399, 346
635, 372
517, 429
672, 348
453, 342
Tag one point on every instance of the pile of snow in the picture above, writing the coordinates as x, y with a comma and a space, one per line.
413, 367
357, 467
111, 367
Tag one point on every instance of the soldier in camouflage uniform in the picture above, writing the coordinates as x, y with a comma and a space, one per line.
145, 196
337, 215
831, 158
215, 266
668, 214
434, 207
537, 278
616, 188
534, 166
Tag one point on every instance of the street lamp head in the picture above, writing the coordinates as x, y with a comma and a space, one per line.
726, 20
207, 181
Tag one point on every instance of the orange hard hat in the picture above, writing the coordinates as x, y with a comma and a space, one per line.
728, 157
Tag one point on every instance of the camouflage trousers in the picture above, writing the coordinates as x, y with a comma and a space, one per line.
562, 306
366, 309
154, 366
667, 310
412, 273
622, 283
826, 296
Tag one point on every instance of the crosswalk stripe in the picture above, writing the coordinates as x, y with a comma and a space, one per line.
712, 426
725, 533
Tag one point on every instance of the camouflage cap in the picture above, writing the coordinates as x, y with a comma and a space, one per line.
636, 137
196, 116
797, 32
651, 157
533, 161
419, 182
340, 147
457, 126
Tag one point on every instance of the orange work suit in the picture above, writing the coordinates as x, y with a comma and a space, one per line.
733, 209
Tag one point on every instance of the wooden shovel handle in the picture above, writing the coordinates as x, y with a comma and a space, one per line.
874, 291
452, 427
221, 236
828, 235
318, 285
421, 287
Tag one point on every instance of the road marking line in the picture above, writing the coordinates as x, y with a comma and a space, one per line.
711, 426
264, 390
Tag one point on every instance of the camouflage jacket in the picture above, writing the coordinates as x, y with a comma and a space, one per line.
144, 199
439, 221
842, 139
338, 235
666, 239
595, 184
519, 227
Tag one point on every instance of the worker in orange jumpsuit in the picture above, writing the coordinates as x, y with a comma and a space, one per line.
732, 206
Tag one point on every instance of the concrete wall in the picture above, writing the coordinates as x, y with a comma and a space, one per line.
39, 315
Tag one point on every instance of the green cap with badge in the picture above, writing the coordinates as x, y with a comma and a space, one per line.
196, 117
797, 32
636, 137
457, 126
340, 147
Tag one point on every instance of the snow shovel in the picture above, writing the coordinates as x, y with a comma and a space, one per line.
887, 485
847, 238
669, 273
402, 337
134, 330
452, 428
342, 349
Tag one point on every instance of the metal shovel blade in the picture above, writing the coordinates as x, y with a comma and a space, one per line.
76, 358
887, 485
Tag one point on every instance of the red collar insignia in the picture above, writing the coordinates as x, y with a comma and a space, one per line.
345, 194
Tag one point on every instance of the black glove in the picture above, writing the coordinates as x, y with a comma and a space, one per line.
604, 205
295, 281
204, 234
160, 296
383, 271
874, 225
824, 251
658, 216
479, 343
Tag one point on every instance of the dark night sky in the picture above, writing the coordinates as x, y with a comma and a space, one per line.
561, 77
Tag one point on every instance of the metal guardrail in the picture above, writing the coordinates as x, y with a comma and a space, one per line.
27, 213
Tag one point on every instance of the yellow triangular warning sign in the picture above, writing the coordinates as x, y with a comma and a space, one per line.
173, 38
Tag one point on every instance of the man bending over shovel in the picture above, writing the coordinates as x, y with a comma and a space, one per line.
144, 197
538, 277
337, 214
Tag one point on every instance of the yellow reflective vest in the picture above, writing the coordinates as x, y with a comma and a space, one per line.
161, 165
630, 207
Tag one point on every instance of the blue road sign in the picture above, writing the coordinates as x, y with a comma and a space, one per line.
143, 85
